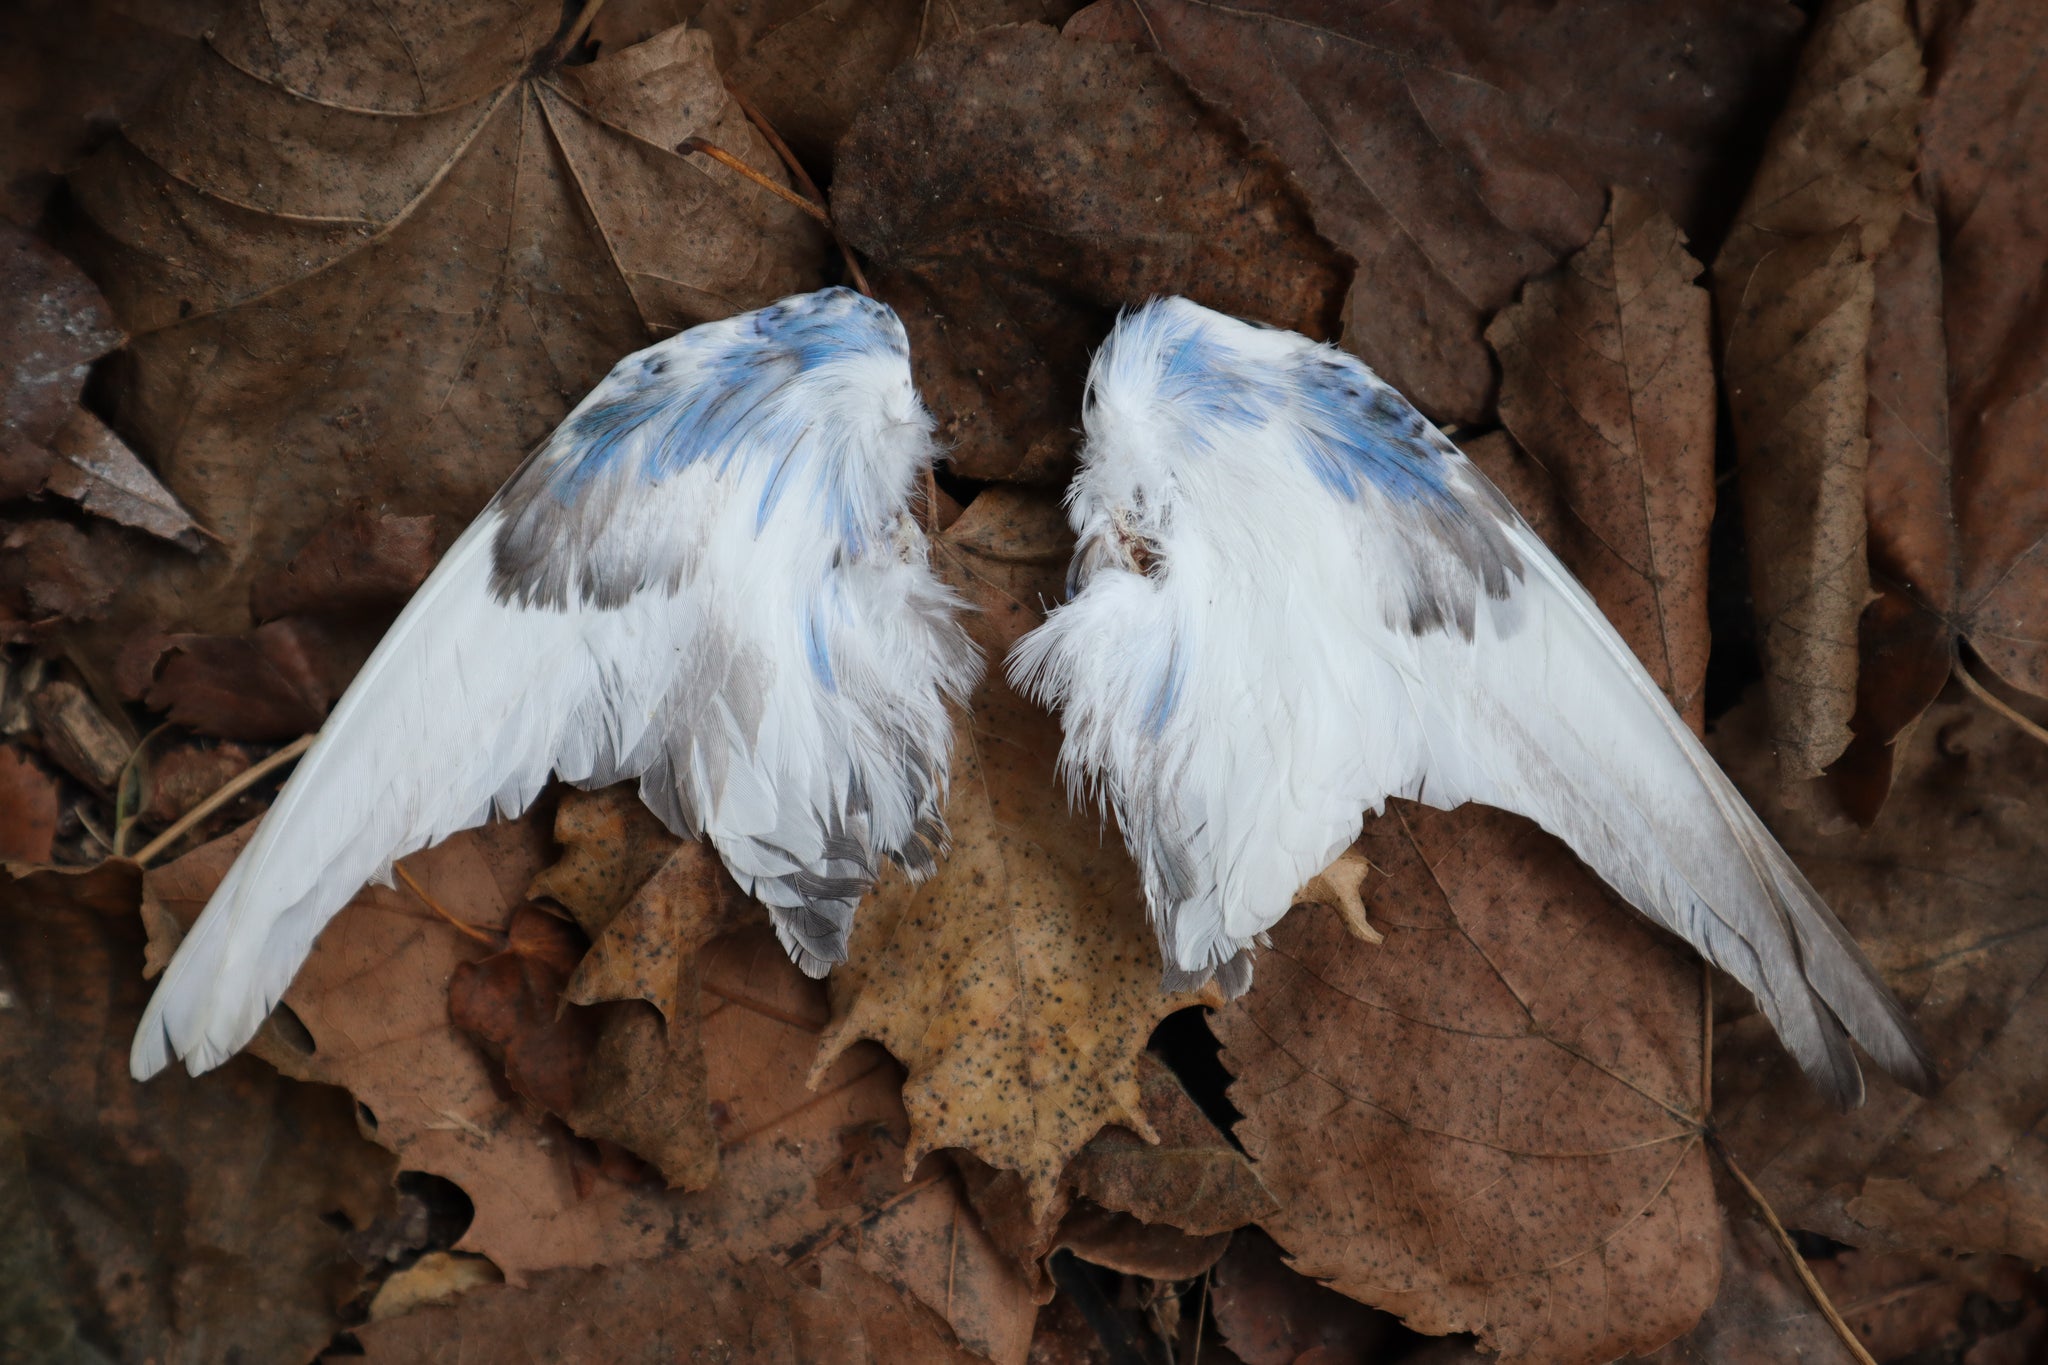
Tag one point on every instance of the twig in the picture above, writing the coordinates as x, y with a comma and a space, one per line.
803, 178
228, 791
731, 162
559, 51
1805, 1273
466, 930
1985, 695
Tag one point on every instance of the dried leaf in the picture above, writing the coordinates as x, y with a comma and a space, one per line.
809, 67
28, 808
361, 562
1608, 384
1015, 189
1131, 1246
1943, 892
276, 682
1269, 1315
682, 1308
1470, 1125
437, 1277
53, 572
1019, 983
179, 778
1958, 505
196, 1221
1793, 289
1192, 1178
429, 1095
397, 249
96, 469
71, 69
1455, 150
56, 326
511, 1002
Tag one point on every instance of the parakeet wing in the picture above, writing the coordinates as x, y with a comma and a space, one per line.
704, 579
1300, 599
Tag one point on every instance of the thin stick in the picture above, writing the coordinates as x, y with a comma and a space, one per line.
561, 50
1985, 695
228, 791
731, 162
803, 178
466, 930
1805, 1273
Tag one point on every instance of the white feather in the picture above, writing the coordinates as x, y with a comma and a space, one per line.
1258, 659
774, 668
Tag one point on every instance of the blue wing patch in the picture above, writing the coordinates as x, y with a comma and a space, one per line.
723, 391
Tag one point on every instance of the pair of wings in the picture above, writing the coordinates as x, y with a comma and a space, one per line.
1294, 598
707, 580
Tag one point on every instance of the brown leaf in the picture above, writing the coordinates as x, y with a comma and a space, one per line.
1607, 382
1455, 150
1131, 1246
52, 572
1019, 983
96, 469
385, 255
56, 326
1943, 892
1016, 188
1764, 1315
72, 69
1490, 1122
179, 778
1269, 1315
192, 1222
28, 808
1192, 1178
809, 67
359, 562
1908, 1307
276, 682
681, 1308
430, 1096
511, 1002
1793, 289
1957, 500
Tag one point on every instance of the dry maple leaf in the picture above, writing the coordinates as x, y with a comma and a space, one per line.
1015, 189
1455, 149
186, 1223
1019, 984
1944, 893
385, 251
1793, 287
371, 1014
1607, 382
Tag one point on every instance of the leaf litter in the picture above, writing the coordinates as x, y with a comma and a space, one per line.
557, 1091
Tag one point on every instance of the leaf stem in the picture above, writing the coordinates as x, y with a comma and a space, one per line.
731, 162
227, 792
1998, 704
1791, 1249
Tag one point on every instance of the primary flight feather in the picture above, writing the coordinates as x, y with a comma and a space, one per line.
1293, 598
707, 579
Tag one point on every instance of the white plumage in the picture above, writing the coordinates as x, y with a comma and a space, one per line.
1293, 598
707, 579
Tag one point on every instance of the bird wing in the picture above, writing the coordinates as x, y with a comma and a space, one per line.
704, 579
1340, 608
